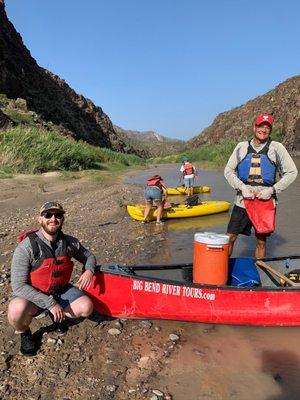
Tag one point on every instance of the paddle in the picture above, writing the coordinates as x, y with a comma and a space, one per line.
147, 267
263, 265
280, 258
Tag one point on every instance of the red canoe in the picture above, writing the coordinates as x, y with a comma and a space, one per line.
120, 292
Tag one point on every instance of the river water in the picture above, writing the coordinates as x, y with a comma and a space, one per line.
229, 362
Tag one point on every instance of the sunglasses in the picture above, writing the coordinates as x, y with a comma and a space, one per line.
49, 215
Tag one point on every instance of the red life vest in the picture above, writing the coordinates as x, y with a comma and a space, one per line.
49, 273
188, 168
154, 181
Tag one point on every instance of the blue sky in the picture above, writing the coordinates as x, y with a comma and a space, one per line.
165, 65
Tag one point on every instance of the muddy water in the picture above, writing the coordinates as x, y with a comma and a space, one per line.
230, 362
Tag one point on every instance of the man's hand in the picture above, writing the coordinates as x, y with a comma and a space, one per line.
58, 313
85, 280
266, 194
247, 192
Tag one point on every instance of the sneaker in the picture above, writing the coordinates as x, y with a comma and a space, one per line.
159, 222
144, 222
28, 345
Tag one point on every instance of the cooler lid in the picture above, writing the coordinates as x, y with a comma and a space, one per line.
211, 238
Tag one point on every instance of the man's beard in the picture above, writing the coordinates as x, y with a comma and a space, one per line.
51, 232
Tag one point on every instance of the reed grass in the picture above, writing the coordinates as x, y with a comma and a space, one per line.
34, 150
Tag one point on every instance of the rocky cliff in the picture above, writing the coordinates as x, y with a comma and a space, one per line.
49, 96
236, 124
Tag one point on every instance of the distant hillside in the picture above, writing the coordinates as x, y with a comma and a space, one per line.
49, 97
151, 142
236, 124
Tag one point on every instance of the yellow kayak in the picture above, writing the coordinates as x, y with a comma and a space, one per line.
181, 210
182, 190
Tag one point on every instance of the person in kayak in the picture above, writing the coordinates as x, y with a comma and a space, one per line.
187, 172
155, 194
40, 273
251, 170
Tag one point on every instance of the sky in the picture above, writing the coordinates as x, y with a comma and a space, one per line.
170, 66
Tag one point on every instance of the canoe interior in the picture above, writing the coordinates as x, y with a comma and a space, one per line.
184, 275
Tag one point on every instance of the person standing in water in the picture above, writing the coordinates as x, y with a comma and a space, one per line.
251, 170
187, 172
155, 194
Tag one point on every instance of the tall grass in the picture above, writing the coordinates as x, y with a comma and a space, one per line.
33, 150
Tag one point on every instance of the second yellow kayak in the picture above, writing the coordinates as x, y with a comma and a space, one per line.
180, 210
183, 190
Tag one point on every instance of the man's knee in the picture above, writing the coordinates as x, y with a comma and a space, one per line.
85, 306
17, 309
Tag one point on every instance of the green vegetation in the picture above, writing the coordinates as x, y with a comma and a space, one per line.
277, 135
33, 150
210, 155
19, 117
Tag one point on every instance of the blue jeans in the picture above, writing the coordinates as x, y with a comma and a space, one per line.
153, 193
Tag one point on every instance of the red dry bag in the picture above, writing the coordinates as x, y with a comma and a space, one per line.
262, 214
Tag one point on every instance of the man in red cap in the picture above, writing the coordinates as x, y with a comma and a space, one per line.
251, 170
41, 271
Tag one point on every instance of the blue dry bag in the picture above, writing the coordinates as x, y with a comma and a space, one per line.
242, 272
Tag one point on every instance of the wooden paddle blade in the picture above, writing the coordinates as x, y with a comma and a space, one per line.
262, 264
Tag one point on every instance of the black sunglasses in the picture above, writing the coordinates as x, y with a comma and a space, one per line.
49, 215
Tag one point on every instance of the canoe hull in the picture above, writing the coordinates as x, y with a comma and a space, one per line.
121, 296
181, 211
182, 190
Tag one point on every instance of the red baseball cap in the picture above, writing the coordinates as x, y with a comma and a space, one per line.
264, 118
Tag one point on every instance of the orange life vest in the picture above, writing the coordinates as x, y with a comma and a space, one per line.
49, 273
154, 181
188, 168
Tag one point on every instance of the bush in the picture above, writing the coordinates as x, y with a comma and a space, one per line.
33, 150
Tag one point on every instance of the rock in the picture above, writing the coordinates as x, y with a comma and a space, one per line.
146, 324
143, 361
154, 397
173, 337
111, 388
114, 331
157, 392
118, 324
51, 341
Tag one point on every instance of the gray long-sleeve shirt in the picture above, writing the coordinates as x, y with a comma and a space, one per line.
277, 153
23, 258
